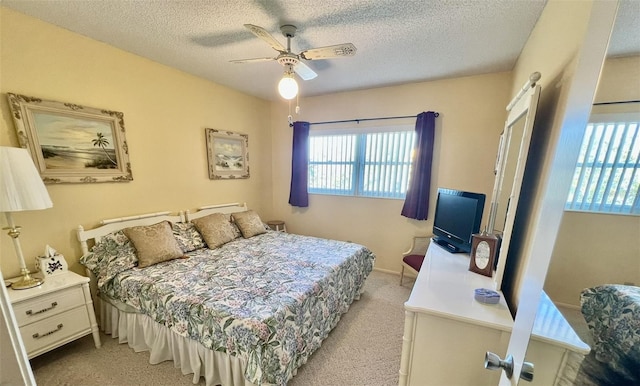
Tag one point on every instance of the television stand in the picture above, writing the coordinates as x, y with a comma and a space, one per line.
447, 246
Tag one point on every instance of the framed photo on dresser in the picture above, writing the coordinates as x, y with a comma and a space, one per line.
484, 250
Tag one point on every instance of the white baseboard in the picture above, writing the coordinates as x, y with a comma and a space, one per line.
387, 271
408, 275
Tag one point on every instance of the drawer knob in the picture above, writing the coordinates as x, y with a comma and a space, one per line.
37, 335
31, 313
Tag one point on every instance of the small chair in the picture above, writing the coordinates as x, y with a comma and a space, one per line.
413, 258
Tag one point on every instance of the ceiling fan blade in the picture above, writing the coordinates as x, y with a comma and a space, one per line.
304, 71
344, 49
266, 36
254, 60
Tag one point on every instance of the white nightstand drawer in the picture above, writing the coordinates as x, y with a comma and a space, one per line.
51, 331
44, 306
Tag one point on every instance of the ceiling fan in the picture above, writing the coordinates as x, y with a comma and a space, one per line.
292, 62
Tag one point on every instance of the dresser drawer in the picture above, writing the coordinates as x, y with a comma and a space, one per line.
35, 309
52, 330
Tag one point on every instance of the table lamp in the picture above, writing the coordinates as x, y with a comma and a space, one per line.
21, 188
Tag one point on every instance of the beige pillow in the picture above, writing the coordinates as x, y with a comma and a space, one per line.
216, 229
249, 223
154, 243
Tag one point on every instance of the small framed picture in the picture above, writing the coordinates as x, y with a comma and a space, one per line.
227, 154
70, 143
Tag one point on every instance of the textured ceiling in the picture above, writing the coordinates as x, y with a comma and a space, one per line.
397, 41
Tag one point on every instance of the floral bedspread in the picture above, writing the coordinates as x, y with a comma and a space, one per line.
270, 300
612, 313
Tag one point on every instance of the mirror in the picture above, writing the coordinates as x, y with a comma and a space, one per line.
580, 259
512, 155
508, 157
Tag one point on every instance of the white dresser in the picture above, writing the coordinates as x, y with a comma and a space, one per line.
447, 332
54, 313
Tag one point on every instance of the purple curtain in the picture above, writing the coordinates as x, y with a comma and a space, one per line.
416, 203
298, 195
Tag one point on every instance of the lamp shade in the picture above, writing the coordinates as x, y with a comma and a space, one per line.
21, 187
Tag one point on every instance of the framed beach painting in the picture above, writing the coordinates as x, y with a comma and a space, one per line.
227, 154
70, 143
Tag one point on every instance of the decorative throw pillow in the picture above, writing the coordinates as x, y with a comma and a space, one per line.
249, 223
216, 229
188, 237
112, 255
154, 243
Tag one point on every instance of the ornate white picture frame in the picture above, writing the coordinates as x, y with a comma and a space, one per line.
70, 143
227, 154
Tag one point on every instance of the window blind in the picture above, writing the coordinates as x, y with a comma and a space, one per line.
369, 164
607, 173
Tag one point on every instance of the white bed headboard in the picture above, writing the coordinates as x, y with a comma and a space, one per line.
116, 224
210, 209
113, 225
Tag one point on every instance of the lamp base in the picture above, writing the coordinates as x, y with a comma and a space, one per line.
26, 281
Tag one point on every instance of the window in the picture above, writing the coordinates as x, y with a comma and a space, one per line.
607, 175
367, 163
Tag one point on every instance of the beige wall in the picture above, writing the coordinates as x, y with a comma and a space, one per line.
620, 80
472, 114
165, 113
553, 42
594, 249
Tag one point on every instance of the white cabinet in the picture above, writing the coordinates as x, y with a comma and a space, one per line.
447, 331
54, 313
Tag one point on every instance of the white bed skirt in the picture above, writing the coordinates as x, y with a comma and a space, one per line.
142, 333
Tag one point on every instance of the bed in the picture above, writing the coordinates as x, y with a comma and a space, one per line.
250, 311
612, 313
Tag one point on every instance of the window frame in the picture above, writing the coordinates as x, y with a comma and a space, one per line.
359, 160
607, 115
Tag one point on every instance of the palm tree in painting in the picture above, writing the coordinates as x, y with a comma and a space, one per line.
102, 142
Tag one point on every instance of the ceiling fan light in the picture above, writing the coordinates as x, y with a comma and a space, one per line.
288, 87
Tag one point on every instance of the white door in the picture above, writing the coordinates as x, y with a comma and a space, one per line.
568, 125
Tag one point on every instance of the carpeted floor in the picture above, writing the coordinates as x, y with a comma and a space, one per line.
363, 349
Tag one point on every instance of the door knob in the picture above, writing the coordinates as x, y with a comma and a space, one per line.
527, 371
494, 362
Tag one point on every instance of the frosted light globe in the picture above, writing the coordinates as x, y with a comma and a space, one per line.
288, 87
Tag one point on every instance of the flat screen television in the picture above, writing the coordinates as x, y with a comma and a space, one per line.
458, 216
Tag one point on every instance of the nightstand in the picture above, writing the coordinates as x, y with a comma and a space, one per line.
54, 313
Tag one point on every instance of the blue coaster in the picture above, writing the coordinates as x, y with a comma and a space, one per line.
487, 296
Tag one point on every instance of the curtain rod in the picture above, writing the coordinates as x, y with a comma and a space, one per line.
365, 119
616, 103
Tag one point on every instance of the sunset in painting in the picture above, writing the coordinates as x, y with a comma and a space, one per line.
75, 143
